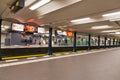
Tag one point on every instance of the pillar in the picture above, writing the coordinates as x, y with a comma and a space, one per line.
89, 40
110, 42
74, 44
98, 41
0, 40
119, 42
50, 42
113, 42
105, 42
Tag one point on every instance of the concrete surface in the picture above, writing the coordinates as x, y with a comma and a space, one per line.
103, 65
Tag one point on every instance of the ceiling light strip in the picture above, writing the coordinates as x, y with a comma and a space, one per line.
111, 14
29, 2
79, 20
101, 27
39, 4
110, 31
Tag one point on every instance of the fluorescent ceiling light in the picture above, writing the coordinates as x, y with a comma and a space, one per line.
29, 2
111, 14
2, 26
110, 31
3, 29
39, 4
82, 20
5, 26
101, 27
79, 20
35, 33
117, 32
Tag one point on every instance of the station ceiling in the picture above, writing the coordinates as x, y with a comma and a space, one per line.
59, 13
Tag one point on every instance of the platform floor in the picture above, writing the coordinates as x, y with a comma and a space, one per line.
102, 65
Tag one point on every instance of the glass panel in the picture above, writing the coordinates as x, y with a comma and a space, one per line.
82, 40
102, 41
94, 41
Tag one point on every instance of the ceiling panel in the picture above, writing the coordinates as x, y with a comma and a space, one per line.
82, 9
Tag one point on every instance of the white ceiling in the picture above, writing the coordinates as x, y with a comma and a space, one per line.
58, 14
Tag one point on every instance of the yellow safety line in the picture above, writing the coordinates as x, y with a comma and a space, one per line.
20, 57
27, 56
62, 53
40, 55
82, 51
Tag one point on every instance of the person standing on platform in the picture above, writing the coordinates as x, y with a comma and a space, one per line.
65, 41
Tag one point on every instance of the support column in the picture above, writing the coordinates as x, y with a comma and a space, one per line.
50, 42
105, 42
74, 44
89, 40
116, 42
119, 42
0, 40
98, 41
110, 42
113, 42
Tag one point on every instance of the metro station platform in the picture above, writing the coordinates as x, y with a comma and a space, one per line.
60, 40
100, 64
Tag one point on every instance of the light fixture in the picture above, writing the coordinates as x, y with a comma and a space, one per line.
6, 27
39, 4
29, 2
101, 27
2, 26
117, 32
79, 20
110, 31
3, 29
82, 20
41, 30
65, 26
111, 14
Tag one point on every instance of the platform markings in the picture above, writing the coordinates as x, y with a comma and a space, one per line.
11, 60
57, 54
32, 58
23, 57
48, 58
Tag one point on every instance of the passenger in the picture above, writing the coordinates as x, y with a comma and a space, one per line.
39, 42
65, 41
59, 41
34, 41
27, 40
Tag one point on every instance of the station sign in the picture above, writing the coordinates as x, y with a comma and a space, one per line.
17, 27
68, 33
